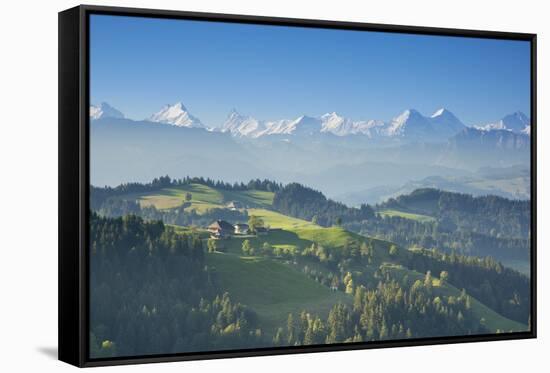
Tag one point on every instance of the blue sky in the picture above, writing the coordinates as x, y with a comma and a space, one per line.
273, 72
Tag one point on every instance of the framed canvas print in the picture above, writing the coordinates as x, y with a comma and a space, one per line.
238, 186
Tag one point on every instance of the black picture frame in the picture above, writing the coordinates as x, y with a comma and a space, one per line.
73, 165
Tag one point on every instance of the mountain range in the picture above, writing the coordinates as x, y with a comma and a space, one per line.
334, 154
409, 125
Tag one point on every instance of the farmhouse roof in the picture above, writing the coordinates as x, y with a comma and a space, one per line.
221, 224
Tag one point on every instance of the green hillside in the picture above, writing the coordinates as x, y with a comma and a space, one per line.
407, 215
276, 238
251, 198
278, 220
202, 198
271, 288
292, 233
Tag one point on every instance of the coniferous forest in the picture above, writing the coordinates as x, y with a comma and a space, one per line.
152, 293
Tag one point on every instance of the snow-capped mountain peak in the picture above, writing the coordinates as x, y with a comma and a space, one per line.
332, 117
338, 125
407, 122
241, 125
407, 116
233, 119
104, 110
233, 112
332, 121
446, 122
516, 122
441, 125
177, 115
411, 113
441, 112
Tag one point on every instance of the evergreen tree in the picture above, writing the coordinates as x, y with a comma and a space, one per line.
278, 338
444, 277
255, 222
211, 245
246, 247
428, 281
290, 330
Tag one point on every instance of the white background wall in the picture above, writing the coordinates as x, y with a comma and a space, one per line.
28, 184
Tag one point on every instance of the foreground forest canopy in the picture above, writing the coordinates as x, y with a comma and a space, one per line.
303, 269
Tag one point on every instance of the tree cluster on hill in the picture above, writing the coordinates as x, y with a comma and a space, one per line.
151, 293
502, 289
388, 311
480, 226
305, 203
491, 215
341, 258
409, 232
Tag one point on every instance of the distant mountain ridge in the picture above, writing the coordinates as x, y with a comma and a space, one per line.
409, 125
129, 150
516, 122
501, 138
509, 182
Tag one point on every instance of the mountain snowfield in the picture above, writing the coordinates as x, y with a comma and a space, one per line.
176, 115
410, 124
104, 110
340, 126
241, 125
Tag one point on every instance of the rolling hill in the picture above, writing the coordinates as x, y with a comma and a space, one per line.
202, 198
284, 280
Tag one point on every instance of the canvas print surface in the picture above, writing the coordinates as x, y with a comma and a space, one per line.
262, 186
